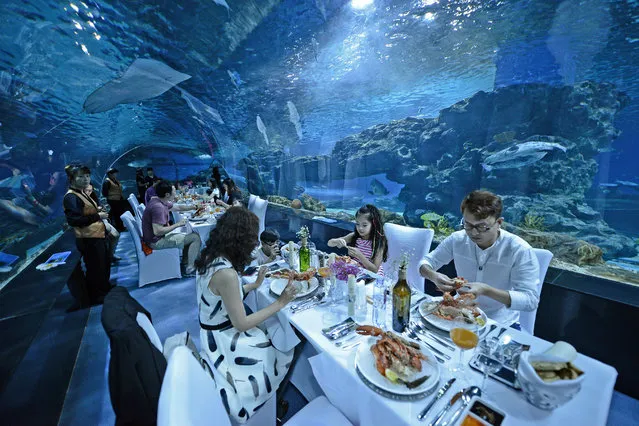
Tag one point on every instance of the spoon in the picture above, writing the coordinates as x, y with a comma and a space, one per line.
466, 397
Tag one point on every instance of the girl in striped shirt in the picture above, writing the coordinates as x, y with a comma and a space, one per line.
367, 243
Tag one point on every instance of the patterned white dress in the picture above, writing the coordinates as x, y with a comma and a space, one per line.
250, 368
366, 247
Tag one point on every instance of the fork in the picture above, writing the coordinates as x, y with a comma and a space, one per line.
418, 327
303, 304
438, 354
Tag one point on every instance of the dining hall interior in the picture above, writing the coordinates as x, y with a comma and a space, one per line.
319, 212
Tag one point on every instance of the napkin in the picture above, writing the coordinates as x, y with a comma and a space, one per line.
279, 329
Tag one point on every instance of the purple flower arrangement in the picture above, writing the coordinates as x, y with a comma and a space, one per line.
342, 270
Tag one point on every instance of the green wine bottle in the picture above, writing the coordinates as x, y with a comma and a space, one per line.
401, 302
305, 256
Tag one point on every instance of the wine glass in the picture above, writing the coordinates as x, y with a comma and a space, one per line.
490, 358
464, 336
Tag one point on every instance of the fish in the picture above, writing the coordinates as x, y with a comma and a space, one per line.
235, 78
204, 157
520, 155
609, 185
504, 137
5, 151
139, 163
377, 188
628, 183
262, 128
223, 3
294, 117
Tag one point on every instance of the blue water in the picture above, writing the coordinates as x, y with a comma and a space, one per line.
345, 70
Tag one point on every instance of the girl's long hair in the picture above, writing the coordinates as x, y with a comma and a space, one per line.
235, 237
377, 231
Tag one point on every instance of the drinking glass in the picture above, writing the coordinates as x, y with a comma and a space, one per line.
464, 336
490, 358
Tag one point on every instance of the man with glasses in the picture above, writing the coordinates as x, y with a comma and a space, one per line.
269, 249
501, 268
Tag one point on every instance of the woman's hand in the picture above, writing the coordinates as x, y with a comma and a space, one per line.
356, 253
261, 274
288, 293
103, 215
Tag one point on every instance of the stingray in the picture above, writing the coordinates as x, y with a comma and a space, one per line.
200, 108
144, 79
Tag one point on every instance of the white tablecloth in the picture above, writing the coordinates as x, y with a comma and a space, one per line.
334, 370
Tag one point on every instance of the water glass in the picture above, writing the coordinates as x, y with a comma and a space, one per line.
379, 303
490, 358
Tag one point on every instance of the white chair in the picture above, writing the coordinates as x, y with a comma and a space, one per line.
144, 322
251, 201
133, 200
140, 210
527, 319
259, 208
189, 397
158, 266
415, 241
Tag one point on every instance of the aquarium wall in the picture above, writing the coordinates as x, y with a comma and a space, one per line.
328, 105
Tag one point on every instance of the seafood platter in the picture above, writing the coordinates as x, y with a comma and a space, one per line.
452, 310
306, 282
394, 366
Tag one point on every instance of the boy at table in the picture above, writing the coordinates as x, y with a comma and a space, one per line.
501, 268
269, 249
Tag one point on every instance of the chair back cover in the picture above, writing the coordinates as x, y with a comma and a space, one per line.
144, 322
189, 395
527, 319
416, 241
133, 201
158, 266
259, 208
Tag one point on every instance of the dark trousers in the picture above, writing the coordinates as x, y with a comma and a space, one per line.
97, 260
118, 207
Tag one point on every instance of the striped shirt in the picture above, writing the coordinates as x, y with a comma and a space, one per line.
366, 247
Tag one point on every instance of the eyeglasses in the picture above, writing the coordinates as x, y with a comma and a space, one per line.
481, 228
272, 244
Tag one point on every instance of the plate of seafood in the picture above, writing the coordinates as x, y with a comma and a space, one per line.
395, 364
452, 310
305, 282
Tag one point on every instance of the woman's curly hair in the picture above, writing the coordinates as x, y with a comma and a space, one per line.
234, 237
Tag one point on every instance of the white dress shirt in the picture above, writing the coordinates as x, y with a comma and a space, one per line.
509, 264
261, 257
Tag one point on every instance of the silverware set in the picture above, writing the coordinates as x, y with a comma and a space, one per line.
307, 304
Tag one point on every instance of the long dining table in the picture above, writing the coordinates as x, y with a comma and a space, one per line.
335, 372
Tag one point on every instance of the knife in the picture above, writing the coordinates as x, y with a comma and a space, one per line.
440, 393
442, 413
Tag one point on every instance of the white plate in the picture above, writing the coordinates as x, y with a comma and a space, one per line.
365, 361
199, 219
279, 284
443, 324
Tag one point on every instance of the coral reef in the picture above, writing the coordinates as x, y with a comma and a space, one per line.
439, 224
532, 221
439, 160
313, 204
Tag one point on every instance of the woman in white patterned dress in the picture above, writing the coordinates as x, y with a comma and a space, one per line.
250, 368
